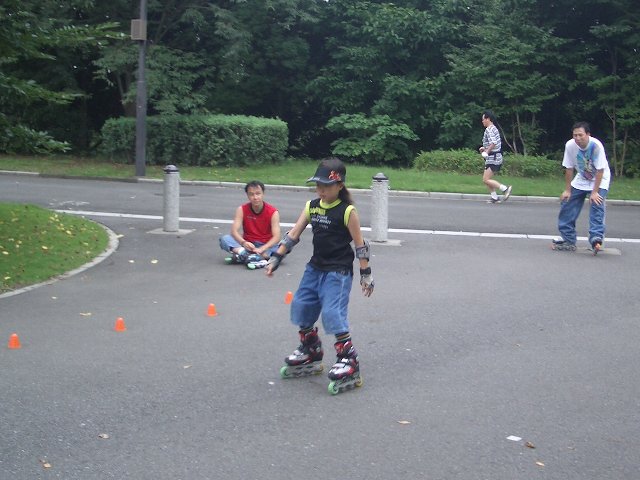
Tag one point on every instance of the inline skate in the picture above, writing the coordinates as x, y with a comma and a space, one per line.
255, 261
596, 245
240, 257
306, 359
345, 373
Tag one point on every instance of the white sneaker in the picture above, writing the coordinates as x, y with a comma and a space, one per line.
507, 193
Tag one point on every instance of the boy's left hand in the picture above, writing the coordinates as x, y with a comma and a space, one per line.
366, 281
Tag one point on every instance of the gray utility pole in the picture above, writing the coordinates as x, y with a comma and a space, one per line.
139, 33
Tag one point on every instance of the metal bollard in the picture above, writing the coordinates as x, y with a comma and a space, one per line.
380, 208
171, 198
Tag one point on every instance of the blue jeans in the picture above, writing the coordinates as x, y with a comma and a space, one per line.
227, 243
570, 210
322, 292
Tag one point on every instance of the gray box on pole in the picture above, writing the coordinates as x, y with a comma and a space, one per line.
380, 208
171, 199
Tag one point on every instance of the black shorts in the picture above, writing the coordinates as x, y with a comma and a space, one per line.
494, 168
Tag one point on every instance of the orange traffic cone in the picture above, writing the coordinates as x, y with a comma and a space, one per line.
14, 341
211, 311
120, 326
288, 297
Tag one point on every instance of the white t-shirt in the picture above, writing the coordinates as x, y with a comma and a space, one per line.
586, 162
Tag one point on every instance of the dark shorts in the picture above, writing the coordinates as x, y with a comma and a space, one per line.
494, 168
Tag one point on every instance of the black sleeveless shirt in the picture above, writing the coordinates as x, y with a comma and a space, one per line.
332, 250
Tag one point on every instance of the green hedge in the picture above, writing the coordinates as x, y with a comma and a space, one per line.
199, 140
470, 162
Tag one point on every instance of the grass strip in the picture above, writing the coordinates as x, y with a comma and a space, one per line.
37, 244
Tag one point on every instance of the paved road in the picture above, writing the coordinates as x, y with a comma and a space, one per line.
466, 342
518, 216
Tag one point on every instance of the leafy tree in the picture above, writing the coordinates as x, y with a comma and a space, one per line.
361, 77
172, 75
374, 140
504, 64
612, 72
381, 60
264, 56
178, 75
229, 57
32, 33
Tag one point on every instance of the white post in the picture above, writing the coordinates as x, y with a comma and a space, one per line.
171, 198
380, 208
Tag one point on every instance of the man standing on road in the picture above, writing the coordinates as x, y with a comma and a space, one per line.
585, 154
255, 231
491, 151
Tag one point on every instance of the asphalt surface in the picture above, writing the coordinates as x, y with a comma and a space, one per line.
485, 355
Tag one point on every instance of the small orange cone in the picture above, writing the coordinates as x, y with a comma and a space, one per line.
288, 297
14, 341
211, 311
120, 326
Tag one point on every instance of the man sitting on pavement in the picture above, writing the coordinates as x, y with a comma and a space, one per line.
255, 231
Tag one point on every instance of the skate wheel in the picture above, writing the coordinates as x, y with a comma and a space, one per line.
284, 372
251, 266
228, 260
333, 388
359, 382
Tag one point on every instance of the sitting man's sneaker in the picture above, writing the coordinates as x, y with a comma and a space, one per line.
507, 193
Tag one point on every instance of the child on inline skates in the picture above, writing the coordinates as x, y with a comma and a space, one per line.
327, 278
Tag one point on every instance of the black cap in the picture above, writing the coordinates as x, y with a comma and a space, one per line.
327, 175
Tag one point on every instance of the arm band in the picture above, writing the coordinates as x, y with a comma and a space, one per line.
288, 242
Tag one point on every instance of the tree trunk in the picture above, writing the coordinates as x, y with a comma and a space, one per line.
624, 150
524, 145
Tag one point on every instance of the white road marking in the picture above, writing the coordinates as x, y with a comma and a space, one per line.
366, 229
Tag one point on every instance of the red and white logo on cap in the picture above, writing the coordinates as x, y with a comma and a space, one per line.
335, 176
